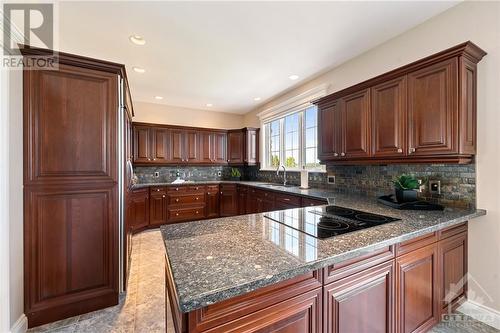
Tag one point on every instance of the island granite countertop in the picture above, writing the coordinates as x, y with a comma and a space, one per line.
217, 259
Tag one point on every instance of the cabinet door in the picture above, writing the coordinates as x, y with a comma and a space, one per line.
207, 145
361, 303
417, 290
251, 202
432, 109
252, 147
389, 118
228, 200
212, 202
330, 131
192, 150
220, 148
453, 264
157, 208
355, 119
159, 145
176, 146
142, 144
242, 201
139, 209
235, 147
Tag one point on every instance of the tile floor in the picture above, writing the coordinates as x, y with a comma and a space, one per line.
142, 309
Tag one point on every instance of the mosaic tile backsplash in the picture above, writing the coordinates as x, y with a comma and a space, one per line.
458, 182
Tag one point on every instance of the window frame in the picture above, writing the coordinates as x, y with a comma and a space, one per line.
266, 148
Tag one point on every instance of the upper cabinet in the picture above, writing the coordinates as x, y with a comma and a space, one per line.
174, 145
422, 112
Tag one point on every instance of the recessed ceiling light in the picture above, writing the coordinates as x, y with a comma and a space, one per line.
158, 97
209, 105
139, 69
293, 77
137, 40
256, 99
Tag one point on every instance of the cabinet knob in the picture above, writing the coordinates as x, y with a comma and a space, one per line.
157, 190
335, 154
196, 212
149, 159
163, 196
197, 188
154, 159
342, 154
411, 150
220, 192
176, 200
400, 150
177, 189
208, 193
176, 214
228, 160
286, 199
197, 198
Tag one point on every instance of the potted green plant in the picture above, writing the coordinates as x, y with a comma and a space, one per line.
406, 188
235, 174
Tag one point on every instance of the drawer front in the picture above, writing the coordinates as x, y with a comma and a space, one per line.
185, 213
177, 189
228, 187
313, 202
196, 189
157, 190
212, 189
265, 195
290, 200
416, 243
188, 199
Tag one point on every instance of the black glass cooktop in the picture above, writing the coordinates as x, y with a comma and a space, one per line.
328, 221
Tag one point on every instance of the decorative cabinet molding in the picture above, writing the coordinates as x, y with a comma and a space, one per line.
174, 145
421, 112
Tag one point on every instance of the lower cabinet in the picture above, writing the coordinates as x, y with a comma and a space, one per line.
362, 302
138, 209
417, 290
242, 199
228, 200
157, 207
212, 201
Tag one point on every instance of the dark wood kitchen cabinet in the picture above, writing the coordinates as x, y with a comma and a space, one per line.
417, 290
142, 144
151, 145
243, 146
220, 148
424, 112
355, 110
71, 199
138, 209
212, 201
213, 147
362, 302
228, 200
242, 199
388, 123
432, 106
157, 206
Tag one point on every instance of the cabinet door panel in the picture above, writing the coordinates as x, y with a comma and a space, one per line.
177, 146
417, 291
212, 201
389, 118
361, 303
453, 263
207, 145
220, 148
142, 144
235, 147
192, 151
159, 145
330, 131
139, 209
158, 209
432, 109
228, 200
70, 136
355, 114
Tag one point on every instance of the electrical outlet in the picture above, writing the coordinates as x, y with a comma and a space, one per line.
435, 186
156, 174
219, 173
331, 179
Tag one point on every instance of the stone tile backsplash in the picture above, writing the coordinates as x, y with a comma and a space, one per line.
458, 182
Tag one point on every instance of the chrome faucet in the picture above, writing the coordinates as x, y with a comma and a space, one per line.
284, 173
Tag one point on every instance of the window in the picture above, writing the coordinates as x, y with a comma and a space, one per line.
292, 141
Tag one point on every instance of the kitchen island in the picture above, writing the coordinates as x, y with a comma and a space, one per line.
251, 273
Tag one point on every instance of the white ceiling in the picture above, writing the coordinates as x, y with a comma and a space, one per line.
227, 53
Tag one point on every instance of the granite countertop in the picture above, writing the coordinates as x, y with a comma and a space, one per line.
213, 260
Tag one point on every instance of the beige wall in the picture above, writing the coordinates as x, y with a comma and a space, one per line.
172, 115
480, 23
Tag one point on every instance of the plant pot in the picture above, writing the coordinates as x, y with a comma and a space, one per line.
406, 195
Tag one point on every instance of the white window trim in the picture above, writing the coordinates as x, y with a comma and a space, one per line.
281, 110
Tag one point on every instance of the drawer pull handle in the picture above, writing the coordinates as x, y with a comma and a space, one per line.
176, 200
208, 193
342, 154
196, 212
197, 188
197, 198
412, 150
400, 150
177, 189
176, 214
286, 199
163, 196
335, 154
